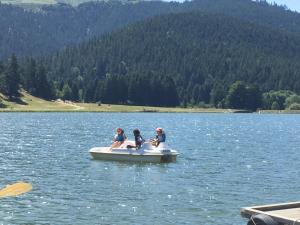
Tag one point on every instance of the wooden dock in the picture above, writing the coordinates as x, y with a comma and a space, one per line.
281, 214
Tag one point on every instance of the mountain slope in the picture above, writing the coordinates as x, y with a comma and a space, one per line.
45, 2
202, 54
49, 28
21, 2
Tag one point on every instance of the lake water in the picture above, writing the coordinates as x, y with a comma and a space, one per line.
227, 161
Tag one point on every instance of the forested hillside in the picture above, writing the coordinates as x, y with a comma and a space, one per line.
45, 2
49, 28
189, 58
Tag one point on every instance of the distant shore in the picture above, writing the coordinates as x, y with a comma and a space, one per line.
278, 111
29, 103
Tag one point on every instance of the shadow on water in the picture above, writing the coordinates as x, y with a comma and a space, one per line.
131, 163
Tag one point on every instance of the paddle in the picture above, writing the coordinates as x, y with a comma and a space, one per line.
15, 189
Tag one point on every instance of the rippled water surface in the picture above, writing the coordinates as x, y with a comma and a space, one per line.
227, 161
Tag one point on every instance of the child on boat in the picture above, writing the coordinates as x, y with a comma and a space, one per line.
139, 140
160, 137
119, 138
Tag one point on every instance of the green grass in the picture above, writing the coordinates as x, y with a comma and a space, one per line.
29, 103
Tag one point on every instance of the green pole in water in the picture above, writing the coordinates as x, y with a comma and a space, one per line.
15, 189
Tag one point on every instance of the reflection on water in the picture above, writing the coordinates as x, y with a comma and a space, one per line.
227, 161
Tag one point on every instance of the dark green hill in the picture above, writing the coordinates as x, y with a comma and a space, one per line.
194, 56
25, 3
49, 28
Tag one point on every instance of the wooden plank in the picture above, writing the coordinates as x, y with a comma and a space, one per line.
293, 214
247, 212
15, 189
272, 207
277, 206
284, 213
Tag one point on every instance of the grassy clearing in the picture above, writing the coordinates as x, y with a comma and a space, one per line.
29, 103
32, 104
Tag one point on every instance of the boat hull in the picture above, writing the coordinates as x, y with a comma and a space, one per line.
134, 157
147, 153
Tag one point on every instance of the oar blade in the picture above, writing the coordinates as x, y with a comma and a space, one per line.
15, 189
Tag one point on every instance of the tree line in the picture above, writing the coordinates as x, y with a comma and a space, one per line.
140, 90
10, 78
33, 78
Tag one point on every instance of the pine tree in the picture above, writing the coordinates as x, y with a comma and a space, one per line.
217, 94
132, 89
43, 86
237, 95
12, 78
170, 93
30, 76
254, 98
67, 92
75, 92
2, 78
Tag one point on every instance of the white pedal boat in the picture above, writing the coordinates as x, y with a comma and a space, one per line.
147, 153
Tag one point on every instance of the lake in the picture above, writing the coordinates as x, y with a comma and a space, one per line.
227, 161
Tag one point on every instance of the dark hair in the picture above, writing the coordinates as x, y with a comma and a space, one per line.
136, 132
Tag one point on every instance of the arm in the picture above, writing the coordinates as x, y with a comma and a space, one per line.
115, 138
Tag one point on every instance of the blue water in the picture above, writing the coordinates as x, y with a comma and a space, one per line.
227, 161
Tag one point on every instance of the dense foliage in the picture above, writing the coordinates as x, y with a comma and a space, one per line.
35, 80
198, 56
242, 96
10, 78
49, 28
32, 77
187, 59
279, 100
184, 59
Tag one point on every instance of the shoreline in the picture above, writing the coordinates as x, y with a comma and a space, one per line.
125, 110
29, 103
135, 110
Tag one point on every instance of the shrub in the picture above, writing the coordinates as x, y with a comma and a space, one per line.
276, 96
292, 100
243, 96
294, 106
275, 106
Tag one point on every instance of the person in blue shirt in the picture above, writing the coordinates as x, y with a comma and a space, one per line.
159, 138
139, 140
119, 138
